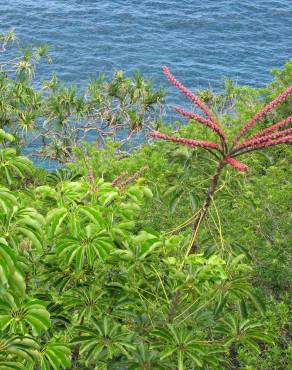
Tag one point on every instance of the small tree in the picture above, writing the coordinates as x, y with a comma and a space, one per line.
225, 150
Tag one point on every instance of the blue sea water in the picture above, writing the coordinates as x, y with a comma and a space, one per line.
202, 41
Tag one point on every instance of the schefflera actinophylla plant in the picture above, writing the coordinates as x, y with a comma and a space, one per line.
226, 151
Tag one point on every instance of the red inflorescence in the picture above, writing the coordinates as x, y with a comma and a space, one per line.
263, 112
90, 175
275, 127
130, 179
119, 178
263, 139
205, 121
197, 101
182, 140
237, 165
270, 142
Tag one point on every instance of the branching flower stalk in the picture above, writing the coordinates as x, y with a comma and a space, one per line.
121, 181
119, 178
226, 151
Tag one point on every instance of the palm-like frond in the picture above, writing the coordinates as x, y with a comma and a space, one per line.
90, 243
22, 315
104, 339
13, 166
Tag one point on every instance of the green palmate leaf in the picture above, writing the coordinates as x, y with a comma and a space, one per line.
5, 136
122, 229
181, 344
17, 283
144, 359
245, 332
109, 197
174, 202
171, 190
11, 365
32, 236
65, 193
90, 243
21, 348
167, 353
7, 262
19, 222
22, 315
55, 356
7, 200
258, 302
84, 302
54, 220
105, 340
243, 309
12, 165
147, 192
46, 190
93, 214
9, 274
220, 304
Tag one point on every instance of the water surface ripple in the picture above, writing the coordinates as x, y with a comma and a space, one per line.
202, 41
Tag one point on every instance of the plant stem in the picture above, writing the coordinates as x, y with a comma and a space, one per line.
174, 306
233, 355
75, 355
207, 203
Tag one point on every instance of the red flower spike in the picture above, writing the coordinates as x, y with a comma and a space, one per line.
263, 112
203, 120
130, 179
266, 144
119, 178
275, 127
194, 99
237, 165
90, 175
189, 142
263, 139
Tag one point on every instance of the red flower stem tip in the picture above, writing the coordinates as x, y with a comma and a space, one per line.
263, 112
273, 128
119, 178
266, 144
194, 99
264, 139
237, 165
132, 178
205, 121
188, 142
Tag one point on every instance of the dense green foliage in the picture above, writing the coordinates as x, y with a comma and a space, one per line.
57, 117
97, 276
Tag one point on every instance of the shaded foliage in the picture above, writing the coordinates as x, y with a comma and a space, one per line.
95, 271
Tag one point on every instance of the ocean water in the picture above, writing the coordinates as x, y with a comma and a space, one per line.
202, 41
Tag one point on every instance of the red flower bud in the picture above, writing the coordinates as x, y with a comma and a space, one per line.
194, 99
132, 178
275, 127
269, 142
263, 112
237, 165
119, 178
189, 142
264, 139
205, 121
